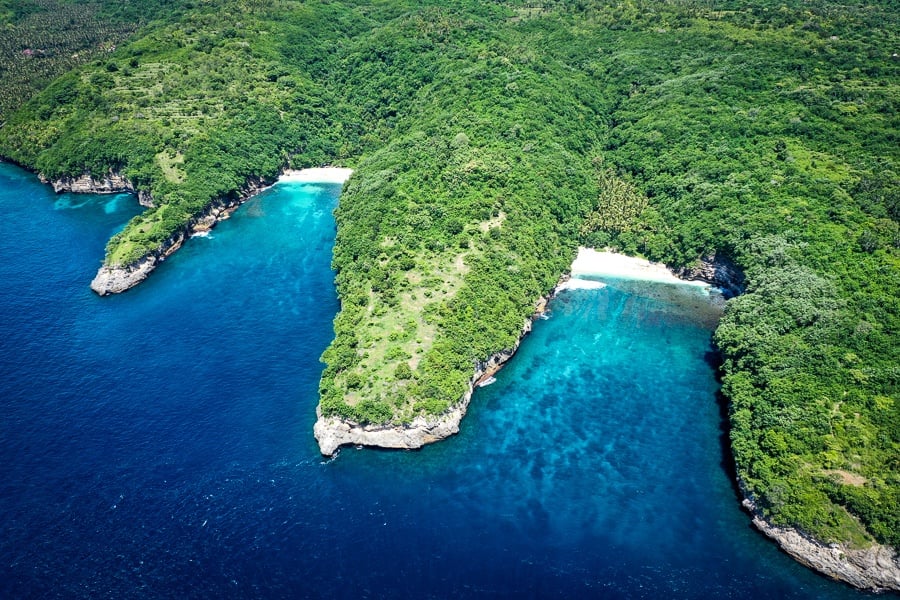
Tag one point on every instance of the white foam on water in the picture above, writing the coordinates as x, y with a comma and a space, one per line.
581, 284
317, 175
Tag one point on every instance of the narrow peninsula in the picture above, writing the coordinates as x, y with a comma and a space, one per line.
117, 278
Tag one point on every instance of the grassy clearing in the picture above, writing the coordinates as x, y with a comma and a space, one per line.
170, 163
404, 332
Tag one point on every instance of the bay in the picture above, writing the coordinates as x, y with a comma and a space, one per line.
159, 443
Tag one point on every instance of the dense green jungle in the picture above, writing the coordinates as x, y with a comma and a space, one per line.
490, 140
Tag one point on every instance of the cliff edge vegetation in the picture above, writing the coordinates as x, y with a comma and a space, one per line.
489, 140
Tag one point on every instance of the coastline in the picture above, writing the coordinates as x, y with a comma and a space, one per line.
594, 263
334, 432
876, 568
118, 279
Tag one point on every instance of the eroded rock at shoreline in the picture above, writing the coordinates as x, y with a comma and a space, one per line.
115, 280
876, 568
333, 432
111, 279
111, 183
718, 270
118, 279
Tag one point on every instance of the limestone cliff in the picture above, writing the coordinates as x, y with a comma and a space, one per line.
111, 183
876, 568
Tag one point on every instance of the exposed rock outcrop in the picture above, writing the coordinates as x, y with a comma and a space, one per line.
875, 568
718, 270
117, 279
111, 183
333, 432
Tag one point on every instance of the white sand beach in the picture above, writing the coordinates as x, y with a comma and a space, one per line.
591, 263
317, 175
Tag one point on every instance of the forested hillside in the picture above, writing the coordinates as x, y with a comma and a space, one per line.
42, 39
491, 139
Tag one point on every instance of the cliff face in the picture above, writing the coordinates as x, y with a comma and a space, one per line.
718, 270
112, 183
117, 279
876, 568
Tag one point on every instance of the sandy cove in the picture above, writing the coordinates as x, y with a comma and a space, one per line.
317, 175
594, 263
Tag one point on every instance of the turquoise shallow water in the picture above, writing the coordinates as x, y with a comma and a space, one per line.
159, 443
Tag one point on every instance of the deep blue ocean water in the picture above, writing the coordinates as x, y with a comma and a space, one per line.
158, 444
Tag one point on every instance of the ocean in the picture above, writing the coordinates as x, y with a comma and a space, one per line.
158, 443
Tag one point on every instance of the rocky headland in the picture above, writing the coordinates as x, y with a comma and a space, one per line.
333, 432
876, 568
115, 279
